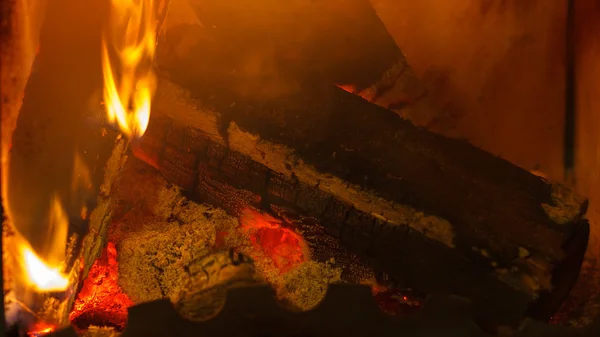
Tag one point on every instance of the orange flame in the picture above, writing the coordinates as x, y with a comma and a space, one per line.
42, 269
41, 329
132, 35
45, 275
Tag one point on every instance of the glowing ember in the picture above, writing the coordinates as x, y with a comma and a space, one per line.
101, 301
348, 88
397, 303
353, 90
41, 329
282, 245
132, 35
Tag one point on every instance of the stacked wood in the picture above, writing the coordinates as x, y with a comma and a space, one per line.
436, 214
417, 205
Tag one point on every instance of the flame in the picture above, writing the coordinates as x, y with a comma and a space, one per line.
41, 329
132, 35
42, 269
41, 276
45, 275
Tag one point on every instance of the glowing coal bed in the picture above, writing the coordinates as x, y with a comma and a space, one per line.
159, 240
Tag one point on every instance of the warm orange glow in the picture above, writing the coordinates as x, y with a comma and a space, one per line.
353, 90
129, 83
101, 301
284, 247
45, 274
41, 329
41, 276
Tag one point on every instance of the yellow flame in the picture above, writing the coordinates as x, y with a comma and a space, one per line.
132, 36
45, 274
41, 276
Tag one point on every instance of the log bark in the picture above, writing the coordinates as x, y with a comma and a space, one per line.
436, 214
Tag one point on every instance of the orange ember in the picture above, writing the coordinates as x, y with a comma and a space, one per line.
397, 303
283, 246
348, 88
101, 301
353, 90
41, 329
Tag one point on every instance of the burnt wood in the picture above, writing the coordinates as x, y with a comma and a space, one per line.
274, 44
434, 213
268, 51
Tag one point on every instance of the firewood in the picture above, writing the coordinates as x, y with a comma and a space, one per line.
436, 214
266, 49
317, 35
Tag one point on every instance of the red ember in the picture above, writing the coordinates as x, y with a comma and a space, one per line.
40, 329
101, 301
282, 245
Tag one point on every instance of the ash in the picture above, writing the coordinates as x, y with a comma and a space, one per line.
170, 247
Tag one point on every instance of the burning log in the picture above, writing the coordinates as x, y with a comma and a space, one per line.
341, 42
436, 214
290, 37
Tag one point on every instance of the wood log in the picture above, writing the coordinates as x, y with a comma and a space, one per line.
436, 214
266, 50
309, 38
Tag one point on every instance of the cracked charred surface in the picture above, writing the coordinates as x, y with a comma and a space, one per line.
434, 213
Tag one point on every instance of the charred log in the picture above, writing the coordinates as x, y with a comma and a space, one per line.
268, 49
292, 37
436, 214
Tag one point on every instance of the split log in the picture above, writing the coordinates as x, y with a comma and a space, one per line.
267, 49
313, 39
436, 214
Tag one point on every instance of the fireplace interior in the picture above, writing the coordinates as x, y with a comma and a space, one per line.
322, 168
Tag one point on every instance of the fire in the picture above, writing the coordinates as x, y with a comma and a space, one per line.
284, 247
132, 35
41, 329
45, 275
41, 268
101, 301
41, 276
